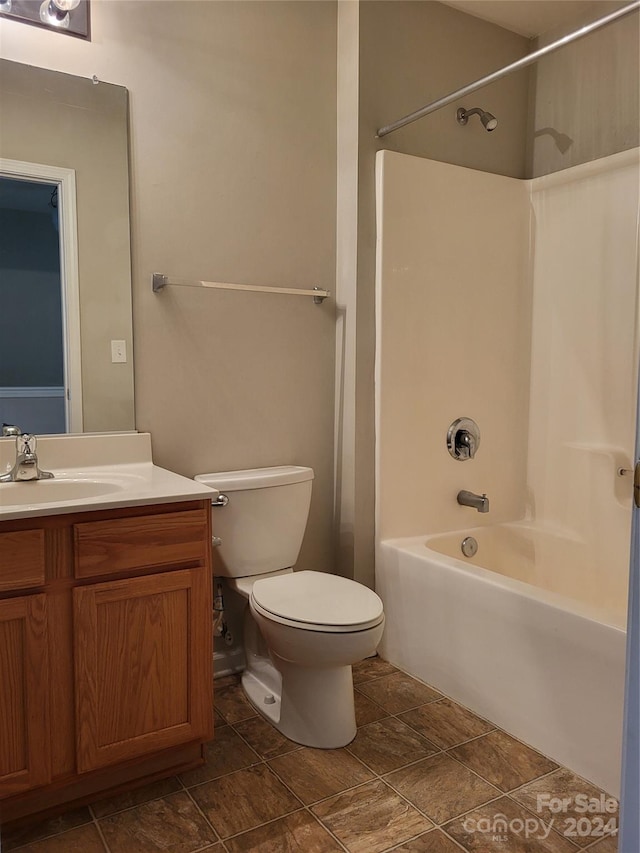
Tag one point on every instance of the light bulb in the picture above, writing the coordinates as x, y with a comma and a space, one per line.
55, 13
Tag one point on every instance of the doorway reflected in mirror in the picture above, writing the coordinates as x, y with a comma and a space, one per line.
32, 340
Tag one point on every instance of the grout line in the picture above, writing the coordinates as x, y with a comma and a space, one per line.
531, 781
264, 761
450, 698
451, 838
205, 818
135, 805
545, 821
100, 832
453, 746
469, 740
452, 817
329, 831
261, 759
475, 773
396, 845
410, 763
260, 825
593, 843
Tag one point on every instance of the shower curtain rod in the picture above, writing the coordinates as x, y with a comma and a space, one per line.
529, 59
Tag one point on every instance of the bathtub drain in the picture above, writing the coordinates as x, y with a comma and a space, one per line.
469, 546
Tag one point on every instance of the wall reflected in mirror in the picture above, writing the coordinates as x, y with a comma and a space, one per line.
65, 268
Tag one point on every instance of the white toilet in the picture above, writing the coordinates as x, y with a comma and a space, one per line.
303, 630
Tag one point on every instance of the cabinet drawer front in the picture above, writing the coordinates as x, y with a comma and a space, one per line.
21, 559
139, 542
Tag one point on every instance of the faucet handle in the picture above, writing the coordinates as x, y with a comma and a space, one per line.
465, 443
463, 439
26, 443
10, 430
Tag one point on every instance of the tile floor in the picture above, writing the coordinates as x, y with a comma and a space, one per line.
421, 773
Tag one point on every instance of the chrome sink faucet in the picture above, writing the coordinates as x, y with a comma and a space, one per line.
26, 465
479, 502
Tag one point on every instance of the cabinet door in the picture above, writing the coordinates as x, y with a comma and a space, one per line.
143, 665
25, 753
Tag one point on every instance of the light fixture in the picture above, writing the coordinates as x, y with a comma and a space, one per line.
65, 16
56, 12
489, 121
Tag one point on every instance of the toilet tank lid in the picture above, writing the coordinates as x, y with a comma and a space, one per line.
255, 478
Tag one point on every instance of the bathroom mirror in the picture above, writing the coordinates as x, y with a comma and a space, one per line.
64, 174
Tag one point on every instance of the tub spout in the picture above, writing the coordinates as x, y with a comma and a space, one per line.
479, 502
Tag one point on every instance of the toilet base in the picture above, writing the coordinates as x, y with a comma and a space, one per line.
314, 707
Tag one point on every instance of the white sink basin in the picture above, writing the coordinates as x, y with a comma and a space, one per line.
32, 492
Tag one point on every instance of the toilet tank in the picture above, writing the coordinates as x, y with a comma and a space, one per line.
262, 526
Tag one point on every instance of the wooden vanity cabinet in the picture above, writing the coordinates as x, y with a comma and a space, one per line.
105, 651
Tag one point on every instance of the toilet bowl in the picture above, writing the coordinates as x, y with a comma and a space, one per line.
303, 630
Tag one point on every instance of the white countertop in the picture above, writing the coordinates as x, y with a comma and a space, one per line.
93, 472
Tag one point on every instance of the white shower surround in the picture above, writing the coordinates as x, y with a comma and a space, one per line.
511, 644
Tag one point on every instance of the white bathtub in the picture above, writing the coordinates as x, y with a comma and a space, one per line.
521, 634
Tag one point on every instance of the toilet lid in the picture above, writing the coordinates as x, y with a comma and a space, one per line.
318, 601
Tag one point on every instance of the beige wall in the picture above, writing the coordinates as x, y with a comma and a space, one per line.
59, 120
585, 98
411, 53
233, 138
453, 299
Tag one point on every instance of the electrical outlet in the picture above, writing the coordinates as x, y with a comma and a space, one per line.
118, 352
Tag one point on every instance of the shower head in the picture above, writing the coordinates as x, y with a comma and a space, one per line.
489, 121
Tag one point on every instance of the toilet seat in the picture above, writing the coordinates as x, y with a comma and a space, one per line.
317, 601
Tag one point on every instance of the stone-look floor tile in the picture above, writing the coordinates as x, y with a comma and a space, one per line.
371, 818
37, 829
370, 668
389, 744
84, 839
441, 788
366, 710
313, 774
244, 800
431, 842
232, 704
299, 832
564, 784
399, 692
171, 825
502, 826
264, 738
502, 760
605, 845
226, 681
136, 797
218, 720
446, 723
226, 753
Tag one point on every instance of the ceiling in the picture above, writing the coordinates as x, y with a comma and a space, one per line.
530, 17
